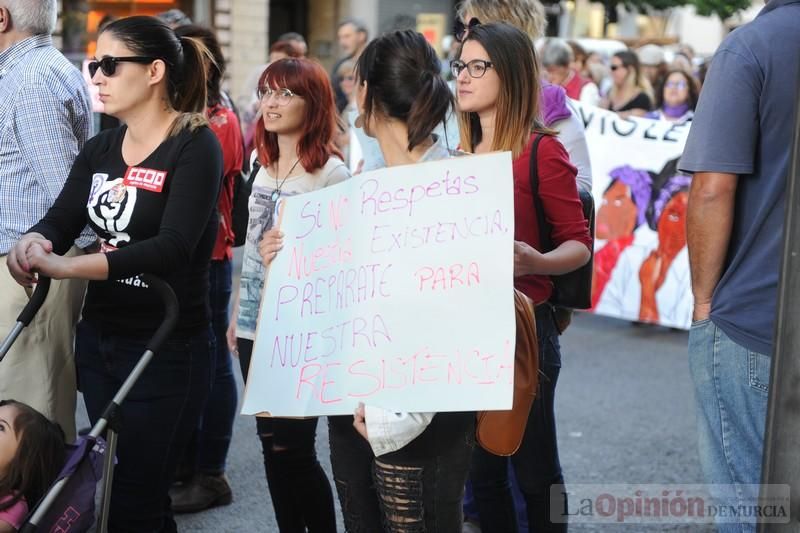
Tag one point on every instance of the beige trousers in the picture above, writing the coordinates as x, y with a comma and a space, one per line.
40, 367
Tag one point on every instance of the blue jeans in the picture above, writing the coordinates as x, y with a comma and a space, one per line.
471, 507
209, 449
157, 418
731, 389
536, 463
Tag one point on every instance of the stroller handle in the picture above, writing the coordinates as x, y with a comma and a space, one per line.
170, 301
35, 303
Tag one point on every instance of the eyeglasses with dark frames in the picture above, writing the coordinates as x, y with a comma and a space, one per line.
475, 68
108, 64
282, 96
462, 30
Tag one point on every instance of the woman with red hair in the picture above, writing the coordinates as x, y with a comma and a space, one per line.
294, 146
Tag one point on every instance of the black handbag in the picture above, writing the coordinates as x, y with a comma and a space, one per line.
240, 213
574, 289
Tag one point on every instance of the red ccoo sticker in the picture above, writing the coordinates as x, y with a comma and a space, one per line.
145, 178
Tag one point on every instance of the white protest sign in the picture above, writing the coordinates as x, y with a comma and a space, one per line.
394, 288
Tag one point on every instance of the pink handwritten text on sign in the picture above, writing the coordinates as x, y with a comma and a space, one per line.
393, 288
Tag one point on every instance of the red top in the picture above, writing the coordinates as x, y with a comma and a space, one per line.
575, 85
225, 125
559, 193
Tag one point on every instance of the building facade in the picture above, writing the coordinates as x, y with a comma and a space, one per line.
246, 28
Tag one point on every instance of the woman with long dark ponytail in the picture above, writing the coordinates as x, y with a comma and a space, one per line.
149, 190
402, 471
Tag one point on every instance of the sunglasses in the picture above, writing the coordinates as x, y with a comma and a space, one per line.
109, 64
461, 31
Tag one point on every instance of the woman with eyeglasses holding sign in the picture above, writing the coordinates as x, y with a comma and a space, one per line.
294, 147
496, 75
149, 190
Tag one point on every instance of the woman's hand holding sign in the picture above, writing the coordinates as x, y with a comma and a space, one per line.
360, 421
271, 243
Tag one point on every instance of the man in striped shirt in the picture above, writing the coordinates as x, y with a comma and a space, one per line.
44, 121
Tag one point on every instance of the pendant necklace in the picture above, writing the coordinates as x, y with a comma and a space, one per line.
277, 192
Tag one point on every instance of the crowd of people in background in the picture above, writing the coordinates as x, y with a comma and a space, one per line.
84, 216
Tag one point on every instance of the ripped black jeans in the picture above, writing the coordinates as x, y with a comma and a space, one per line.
300, 490
418, 488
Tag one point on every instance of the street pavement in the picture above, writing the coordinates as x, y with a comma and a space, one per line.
625, 415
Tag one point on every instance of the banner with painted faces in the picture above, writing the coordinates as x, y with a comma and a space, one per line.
641, 265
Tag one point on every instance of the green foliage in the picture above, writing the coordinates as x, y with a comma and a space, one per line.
657, 5
722, 8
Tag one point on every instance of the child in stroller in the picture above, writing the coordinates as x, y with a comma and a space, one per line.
32, 452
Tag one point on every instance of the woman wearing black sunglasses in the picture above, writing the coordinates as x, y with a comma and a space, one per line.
631, 93
149, 190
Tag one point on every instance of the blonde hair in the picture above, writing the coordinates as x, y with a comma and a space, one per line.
187, 121
526, 15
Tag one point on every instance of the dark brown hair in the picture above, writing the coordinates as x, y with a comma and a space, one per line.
403, 82
216, 68
286, 47
39, 458
692, 85
184, 57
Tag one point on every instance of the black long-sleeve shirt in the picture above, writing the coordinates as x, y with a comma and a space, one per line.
156, 217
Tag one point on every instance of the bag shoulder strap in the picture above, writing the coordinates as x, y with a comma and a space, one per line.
253, 172
544, 227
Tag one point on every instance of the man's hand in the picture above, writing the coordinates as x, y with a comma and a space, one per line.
359, 421
702, 310
709, 222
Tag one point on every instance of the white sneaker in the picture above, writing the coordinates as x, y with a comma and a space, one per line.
470, 527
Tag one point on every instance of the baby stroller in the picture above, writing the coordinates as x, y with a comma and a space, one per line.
68, 507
